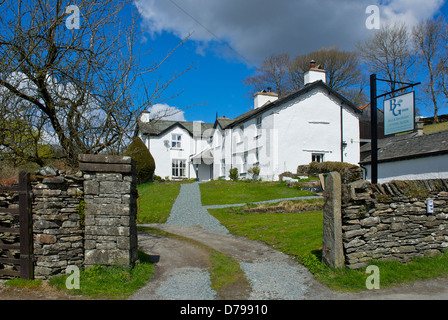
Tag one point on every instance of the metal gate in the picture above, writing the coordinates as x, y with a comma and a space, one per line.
22, 265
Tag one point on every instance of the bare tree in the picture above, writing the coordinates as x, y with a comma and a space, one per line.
273, 73
429, 39
442, 66
342, 68
287, 76
82, 77
389, 53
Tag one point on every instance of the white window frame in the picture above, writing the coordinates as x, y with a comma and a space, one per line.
176, 141
259, 122
317, 157
245, 161
178, 168
223, 168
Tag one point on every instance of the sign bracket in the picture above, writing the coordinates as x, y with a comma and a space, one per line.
374, 120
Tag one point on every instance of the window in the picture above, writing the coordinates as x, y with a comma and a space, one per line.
317, 157
178, 168
257, 157
241, 133
176, 141
259, 121
245, 156
223, 167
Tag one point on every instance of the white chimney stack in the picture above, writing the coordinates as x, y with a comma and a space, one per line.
314, 74
263, 97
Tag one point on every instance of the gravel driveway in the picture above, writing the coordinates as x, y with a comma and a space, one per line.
181, 269
272, 274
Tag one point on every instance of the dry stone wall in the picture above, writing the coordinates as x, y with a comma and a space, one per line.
111, 210
57, 223
391, 221
81, 219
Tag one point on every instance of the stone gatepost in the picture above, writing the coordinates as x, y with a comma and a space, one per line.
110, 195
332, 249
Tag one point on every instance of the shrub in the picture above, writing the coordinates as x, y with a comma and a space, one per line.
255, 172
233, 174
144, 160
315, 168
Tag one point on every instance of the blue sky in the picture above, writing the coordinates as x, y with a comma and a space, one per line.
231, 38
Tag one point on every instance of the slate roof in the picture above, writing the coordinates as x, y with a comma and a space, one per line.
307, 88
407, 147
161, 126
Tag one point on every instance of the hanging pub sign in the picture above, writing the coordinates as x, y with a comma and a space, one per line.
399, 114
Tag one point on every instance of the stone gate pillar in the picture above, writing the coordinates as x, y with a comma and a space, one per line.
332, 250
110, 195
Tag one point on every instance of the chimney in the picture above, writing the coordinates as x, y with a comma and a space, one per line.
263, 97
420, 124
314, 74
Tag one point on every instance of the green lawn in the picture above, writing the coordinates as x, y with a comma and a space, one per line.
229, 192
155, 201
292, 233
435, 127
300, 235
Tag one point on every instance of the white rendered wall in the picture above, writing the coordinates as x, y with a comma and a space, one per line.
435, 167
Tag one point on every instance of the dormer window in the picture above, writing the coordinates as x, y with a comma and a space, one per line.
176, 141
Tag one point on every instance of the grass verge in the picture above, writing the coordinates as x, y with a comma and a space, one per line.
300, 235
115, 282
155, 201
230, 192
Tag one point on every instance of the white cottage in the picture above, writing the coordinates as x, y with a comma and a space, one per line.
313, 124
414, 156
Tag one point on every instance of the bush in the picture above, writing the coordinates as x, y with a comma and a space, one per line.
233, 174
144, 160
255, 172
315, 168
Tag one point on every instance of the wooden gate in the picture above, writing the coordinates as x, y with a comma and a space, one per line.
23, 265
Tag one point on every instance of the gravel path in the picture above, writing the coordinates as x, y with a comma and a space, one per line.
187, 210
272, 274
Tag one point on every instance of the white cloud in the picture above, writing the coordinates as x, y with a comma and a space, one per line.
165, 112
256, 29
410, 11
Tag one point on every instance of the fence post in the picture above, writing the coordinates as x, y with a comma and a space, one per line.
26, 230
332, 250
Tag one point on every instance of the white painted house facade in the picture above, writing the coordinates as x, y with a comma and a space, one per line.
414, 156
313, 124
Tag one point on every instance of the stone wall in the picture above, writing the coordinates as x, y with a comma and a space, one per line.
111, 209
390, 221
7, 220
58, 225
80, 219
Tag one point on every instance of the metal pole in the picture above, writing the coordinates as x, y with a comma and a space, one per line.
374, 130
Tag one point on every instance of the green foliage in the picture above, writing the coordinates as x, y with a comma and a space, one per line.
155, 201
233, 174
22, 143
412, 189
113, 282
228, 192
315, 168
81, 212
254, 171
145, 162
